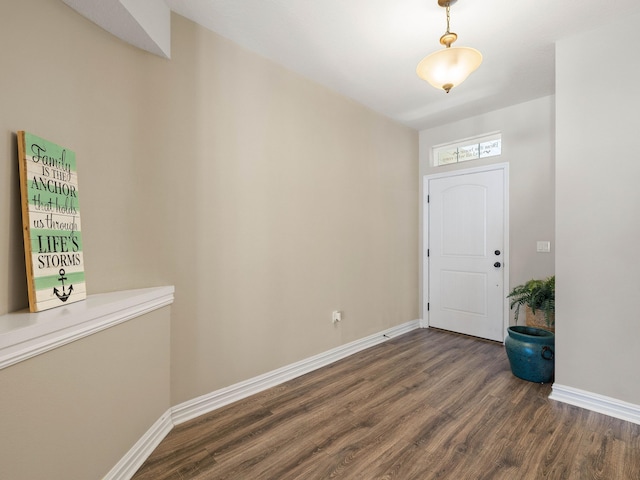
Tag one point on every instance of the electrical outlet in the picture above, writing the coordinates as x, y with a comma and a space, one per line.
336, 316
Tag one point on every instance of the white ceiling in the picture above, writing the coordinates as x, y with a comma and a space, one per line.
368, 49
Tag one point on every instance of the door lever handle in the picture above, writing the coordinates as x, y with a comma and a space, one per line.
497, 264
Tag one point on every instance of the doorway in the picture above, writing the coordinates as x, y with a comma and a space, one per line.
465, 270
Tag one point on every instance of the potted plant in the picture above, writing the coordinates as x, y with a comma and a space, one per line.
531, 348
539, 300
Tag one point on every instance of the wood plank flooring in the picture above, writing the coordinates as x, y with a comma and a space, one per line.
425, 405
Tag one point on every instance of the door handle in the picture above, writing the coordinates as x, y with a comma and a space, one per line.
497, 264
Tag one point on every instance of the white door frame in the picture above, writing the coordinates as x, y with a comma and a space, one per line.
504, 167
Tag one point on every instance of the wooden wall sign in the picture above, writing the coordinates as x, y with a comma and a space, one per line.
51, 223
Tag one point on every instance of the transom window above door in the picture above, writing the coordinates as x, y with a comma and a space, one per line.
483, 146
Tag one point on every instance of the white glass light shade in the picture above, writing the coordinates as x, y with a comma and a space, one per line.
449, 67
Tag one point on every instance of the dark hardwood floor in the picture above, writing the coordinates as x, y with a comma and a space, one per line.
425, 405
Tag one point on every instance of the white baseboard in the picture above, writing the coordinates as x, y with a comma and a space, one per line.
597, 403
136, 456
212, 401
133, 460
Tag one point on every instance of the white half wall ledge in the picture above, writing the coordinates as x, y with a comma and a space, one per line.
145, 24
596, 403
24, 335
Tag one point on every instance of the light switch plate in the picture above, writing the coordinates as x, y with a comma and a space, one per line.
543, 246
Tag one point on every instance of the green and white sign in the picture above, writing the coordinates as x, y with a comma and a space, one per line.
51, 223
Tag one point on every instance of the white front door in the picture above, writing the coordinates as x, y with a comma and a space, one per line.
466, 257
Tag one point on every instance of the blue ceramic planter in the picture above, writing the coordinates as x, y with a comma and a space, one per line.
531, 353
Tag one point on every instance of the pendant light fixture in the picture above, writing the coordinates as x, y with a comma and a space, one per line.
449, 67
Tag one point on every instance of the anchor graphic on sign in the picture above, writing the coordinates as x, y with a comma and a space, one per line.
65, 295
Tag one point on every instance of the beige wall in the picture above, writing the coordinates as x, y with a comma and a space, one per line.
267, 200
598, 211
528, 146
74, 412
291, 202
